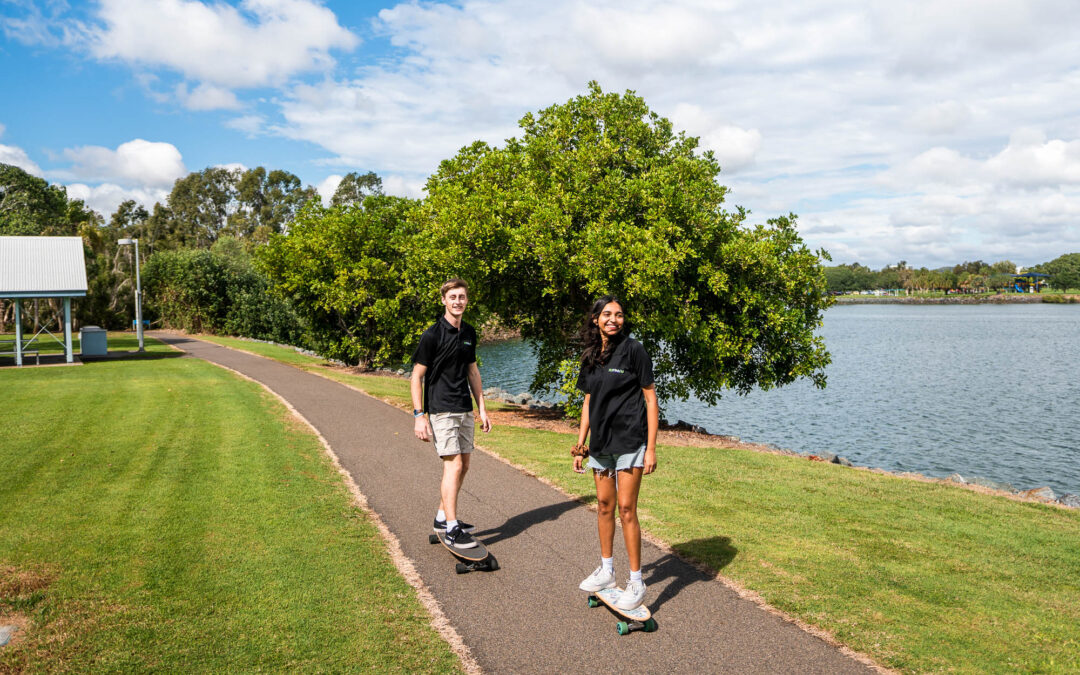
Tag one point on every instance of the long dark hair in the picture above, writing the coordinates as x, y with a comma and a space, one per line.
593, 351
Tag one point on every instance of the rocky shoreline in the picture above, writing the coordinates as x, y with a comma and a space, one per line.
685, 431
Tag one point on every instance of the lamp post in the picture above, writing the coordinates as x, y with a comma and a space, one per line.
138, 290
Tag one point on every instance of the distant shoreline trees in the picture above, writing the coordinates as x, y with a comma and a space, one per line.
968, 277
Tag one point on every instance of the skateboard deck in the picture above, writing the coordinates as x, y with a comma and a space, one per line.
477, 558
639, 618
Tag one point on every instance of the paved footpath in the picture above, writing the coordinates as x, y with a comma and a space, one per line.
529, 615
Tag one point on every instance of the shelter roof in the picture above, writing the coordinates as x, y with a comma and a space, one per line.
1031, 275
42, 267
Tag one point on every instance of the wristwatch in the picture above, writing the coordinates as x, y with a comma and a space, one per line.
417, 413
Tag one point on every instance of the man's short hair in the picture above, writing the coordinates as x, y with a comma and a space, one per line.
451, 284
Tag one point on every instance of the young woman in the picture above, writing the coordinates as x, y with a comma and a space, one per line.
621, 411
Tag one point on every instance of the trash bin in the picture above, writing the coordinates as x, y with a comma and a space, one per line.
93, 341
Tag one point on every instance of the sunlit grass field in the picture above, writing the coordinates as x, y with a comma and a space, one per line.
160, 514
921, 576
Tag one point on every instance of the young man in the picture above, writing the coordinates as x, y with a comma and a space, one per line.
444, 372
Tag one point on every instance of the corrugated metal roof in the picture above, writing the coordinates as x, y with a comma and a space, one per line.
42, 267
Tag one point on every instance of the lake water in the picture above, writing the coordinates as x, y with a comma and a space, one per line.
979, 390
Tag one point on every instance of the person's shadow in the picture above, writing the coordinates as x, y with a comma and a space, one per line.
717, 551
515, 525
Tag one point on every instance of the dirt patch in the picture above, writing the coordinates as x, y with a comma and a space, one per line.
19, 585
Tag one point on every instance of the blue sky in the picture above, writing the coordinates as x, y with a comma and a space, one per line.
927, 131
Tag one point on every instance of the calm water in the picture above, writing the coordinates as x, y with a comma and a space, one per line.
980, 390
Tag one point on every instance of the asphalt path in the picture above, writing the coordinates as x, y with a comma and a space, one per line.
529, 616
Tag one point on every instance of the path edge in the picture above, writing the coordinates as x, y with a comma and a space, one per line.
402, 562
738, 589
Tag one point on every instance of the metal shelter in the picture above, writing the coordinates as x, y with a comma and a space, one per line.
40, 267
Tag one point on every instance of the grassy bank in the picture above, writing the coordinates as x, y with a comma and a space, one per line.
921, 576
161, 514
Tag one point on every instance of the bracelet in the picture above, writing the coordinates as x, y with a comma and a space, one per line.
417, 413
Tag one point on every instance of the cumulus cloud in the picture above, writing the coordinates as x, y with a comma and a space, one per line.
328, 186
9, 154
137, 162
263, 42
106, 197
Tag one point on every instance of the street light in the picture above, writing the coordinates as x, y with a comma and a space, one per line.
138, 290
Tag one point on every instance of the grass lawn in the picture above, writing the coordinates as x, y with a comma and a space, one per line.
161, 514
921, 576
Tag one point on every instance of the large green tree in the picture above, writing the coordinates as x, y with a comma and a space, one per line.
355, 187
344, 270
600, 195
1064, 271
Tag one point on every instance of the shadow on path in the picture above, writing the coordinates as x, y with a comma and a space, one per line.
681, 573
523, 521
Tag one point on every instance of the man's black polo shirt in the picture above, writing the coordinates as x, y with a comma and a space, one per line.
617, 419
447, 353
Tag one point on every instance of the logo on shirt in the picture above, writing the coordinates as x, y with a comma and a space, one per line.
616, 370
466, 343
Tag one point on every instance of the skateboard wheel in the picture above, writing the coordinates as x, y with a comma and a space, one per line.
593, 602
461, 568
650, 625
493, 564
622, 628
433, 539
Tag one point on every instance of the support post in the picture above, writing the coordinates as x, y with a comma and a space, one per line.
18, 331
138, 299
67, 330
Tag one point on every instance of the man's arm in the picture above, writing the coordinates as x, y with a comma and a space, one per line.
478, 394
421, 426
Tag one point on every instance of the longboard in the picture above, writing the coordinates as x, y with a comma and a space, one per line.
639, 618
470, 559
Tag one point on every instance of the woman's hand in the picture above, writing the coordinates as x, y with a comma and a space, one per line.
579, 460
650, 460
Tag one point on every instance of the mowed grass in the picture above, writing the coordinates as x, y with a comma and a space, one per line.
924, 577
161, 514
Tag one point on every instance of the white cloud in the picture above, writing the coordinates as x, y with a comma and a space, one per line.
328, 186
941, 118
137, 162
9, 154
207, 97
106, 197
251, 125
263, 42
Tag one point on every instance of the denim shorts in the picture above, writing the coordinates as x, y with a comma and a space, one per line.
629, 460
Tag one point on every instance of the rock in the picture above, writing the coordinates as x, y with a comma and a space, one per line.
1043, 494
827, 457
490, 392
843, 461
957, 478
5, 634
1070, 500
993, 485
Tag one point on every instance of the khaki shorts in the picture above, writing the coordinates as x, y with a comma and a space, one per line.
453, 433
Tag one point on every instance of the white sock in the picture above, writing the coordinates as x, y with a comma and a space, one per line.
450, 524
635, 576
441, 515
608, 564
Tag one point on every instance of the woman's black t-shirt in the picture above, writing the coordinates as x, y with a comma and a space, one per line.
616, 405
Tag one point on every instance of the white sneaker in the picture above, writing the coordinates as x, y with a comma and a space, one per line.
632, 597
598, 580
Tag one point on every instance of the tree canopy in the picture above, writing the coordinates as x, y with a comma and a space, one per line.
599, 195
